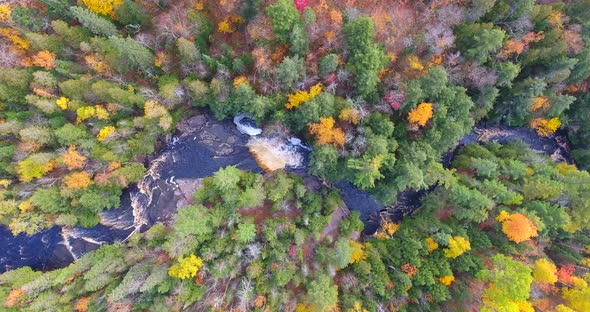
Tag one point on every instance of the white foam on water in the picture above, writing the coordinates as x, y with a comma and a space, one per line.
274, 153
244, 128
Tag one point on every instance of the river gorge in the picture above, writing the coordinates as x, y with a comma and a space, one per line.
201, 146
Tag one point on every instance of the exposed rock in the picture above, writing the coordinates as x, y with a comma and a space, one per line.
192, 124
224, 149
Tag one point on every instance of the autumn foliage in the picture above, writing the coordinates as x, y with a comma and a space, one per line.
5, 13
153, 109
300, 97
62, 103
82, 304
421, 114
517, 227
517, 46
565, 273
301, 4
545, 127
325, 132
545, 272
13, 297
388, 228
540, 103
409, 269
457, 246
446, 280
87, 112
44, 59
106, 133
358, 253
72, 159
350, 115
78, 180
186, 267
432, 245
103, 7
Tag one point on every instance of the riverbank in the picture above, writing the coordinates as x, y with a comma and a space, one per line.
200, 146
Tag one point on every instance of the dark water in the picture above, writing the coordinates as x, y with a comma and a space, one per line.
184, 157
204, 148
363, 202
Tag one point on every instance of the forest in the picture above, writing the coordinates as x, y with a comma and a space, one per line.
384, 93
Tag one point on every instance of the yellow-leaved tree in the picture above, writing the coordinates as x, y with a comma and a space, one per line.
358, 252
186, 267
5, 13
103, 7
153, 109
62, 103
457, 246
350, 115
545, 127
106, 133
447, 280
544, 272
432, 245
300, 97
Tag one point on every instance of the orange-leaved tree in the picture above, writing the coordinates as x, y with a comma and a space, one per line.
540, 103
545, 127
326, 133
517, 227
72, 159
421, 114
44, 59
78, 180
409, 269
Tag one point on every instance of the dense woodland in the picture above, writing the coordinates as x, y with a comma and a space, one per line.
380, 90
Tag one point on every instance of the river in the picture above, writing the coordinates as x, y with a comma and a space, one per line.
200, 147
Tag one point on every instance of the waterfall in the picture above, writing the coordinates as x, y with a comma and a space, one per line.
274, 153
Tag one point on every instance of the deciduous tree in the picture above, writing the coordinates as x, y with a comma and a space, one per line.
72, 159
544, 272
509, 286
44, 59
517, 227
421, 114
326, 133
284, 16
457, 246
186, 267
